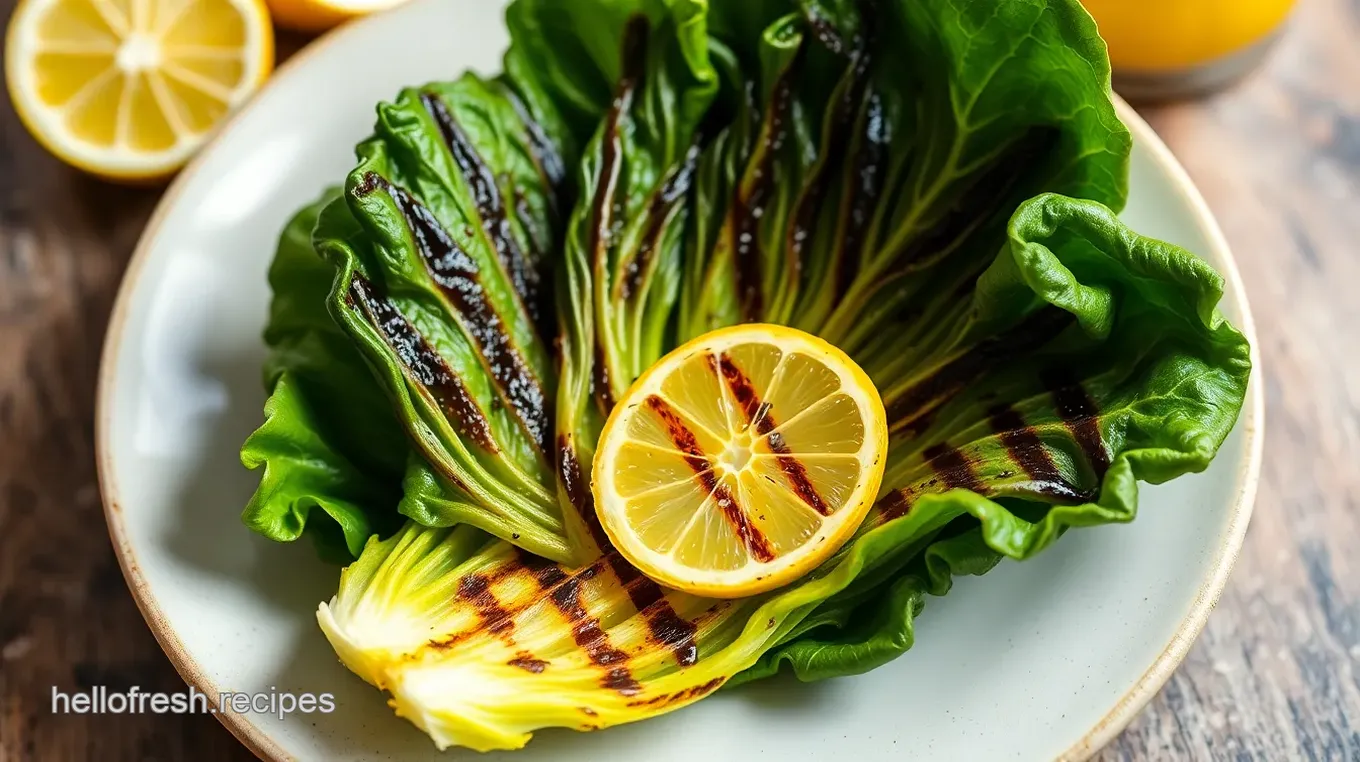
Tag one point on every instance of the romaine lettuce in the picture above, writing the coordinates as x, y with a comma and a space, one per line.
1134, 376
926, 183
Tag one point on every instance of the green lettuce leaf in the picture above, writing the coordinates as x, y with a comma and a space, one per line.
859, 170
1093, 358
1124, 372
895, 140
620, 275
410, 355
347, 466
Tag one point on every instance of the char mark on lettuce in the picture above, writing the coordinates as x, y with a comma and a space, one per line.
564, 591
422, 363
889, 149
954, 468
920, 396
1026, 448
1079, 412
476, 589
460, 280
523, 273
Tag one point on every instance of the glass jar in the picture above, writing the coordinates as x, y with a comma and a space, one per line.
1178, 48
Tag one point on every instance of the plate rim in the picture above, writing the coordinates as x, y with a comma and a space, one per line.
1114, 720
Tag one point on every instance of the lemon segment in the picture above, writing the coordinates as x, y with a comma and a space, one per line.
130, 89
740, 461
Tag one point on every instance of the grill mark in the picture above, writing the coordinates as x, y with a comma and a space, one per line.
578, 491
664, 626
422, 363
494, 617
526, 661
565, 594
757, 544
825, 32
809, 205
660, 212
476, 589
689, 694
603, 204
1028, 451
857, 209
748, 208
758, 415
896, 504
954, 468
541, 148
1081, 415
984, 194
457, 276
524, 276
933, 391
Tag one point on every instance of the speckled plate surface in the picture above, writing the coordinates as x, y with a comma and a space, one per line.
1088, 631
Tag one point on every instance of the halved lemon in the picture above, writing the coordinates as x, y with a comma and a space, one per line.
740, 461
129, 89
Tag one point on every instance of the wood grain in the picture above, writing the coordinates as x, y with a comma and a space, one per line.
1275, 676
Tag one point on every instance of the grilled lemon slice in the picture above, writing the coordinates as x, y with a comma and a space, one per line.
740, 461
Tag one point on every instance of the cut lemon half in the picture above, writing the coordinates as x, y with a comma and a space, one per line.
130, 89
740, 461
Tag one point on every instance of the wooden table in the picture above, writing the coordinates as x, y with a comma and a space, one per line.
1275, 676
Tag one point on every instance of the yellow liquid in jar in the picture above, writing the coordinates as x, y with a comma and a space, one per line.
1170, 35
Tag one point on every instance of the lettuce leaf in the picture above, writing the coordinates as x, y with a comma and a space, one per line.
620, 275
349, 466
930, 184
440, 247
1132, 375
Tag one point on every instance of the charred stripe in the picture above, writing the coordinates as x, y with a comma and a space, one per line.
476, 589
545, 155
689, 694
933, 391
660, 212
866, 176
755, 541
758, 416
1025, 447
896, 504
578, 491
603, 203
565, 594
665, 627
423, 364
953, 468
1079, 412
526, 661
490, 205
458, 278
601, 387
749, 204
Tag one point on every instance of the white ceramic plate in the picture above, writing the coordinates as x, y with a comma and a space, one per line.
1088, 631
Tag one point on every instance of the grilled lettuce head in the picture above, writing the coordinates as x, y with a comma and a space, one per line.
930, 184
